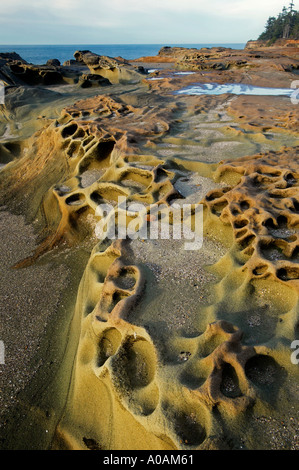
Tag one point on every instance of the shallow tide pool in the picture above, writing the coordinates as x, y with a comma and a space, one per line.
234, 88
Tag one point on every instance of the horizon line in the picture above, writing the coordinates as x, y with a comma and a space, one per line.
121, 44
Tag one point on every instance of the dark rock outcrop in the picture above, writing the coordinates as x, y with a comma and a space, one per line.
88, 80
54, 62
14, 71
36, 74
116, 70
10, 56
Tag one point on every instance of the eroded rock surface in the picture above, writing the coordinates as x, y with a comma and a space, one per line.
187, 350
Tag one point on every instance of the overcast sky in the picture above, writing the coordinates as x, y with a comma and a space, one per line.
134, 21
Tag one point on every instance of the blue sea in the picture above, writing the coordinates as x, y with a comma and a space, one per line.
39, 55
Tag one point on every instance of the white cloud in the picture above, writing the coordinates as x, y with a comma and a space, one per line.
227, 8
123, 19
108, 8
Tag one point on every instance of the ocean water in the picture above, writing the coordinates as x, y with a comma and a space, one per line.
36, 54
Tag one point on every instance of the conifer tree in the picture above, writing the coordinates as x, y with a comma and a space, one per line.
285, 25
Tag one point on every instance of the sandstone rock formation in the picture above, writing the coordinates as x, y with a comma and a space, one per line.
185, 350
15, 71
224, 58
115, 70
257, 44
54, 62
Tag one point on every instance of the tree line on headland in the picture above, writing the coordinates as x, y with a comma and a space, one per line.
285, 25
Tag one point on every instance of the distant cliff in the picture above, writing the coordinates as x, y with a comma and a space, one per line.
278, 43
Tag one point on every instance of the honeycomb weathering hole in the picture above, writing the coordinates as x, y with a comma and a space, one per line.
186, 425
70, 130
108, 345
263, 371
126, 279
288, 273
75, 199
135, 365
104, 149
230, 383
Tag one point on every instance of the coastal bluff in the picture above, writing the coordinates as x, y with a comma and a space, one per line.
257, 44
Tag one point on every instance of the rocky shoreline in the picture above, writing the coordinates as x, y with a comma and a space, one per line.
186, 350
